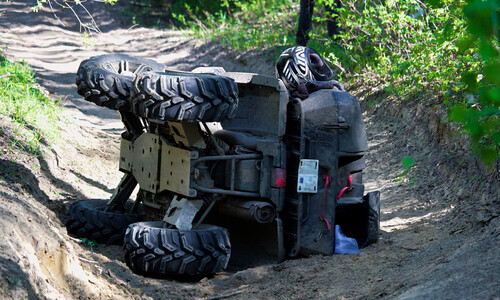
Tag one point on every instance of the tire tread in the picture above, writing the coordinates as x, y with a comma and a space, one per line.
156, 251
99, 81
178, 97
87, 220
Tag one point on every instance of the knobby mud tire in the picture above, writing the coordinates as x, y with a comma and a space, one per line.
176, 96
152, 250
106, 79
87, 219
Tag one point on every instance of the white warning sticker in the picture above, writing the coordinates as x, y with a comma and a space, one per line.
307, 180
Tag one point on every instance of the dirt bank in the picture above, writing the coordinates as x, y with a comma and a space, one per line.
440, 225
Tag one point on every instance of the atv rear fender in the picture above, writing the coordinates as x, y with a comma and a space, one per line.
327, 127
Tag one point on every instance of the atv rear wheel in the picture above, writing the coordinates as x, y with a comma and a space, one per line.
87, 219
156, 251
176, 96
106, 79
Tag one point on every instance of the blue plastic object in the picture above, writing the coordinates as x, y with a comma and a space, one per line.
344, 244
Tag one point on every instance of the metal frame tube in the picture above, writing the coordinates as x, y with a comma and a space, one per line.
226, 157
224, 192
233, 159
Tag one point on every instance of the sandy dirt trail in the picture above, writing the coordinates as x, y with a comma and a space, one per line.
440, 226
55, 53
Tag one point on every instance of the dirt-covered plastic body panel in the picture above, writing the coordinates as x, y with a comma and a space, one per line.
321, 127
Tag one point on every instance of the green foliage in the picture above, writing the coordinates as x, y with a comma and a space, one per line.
158, 13
22, 101
480, 113
195, 9
91, 243
403, 45
243, 25
407, 163
445, 52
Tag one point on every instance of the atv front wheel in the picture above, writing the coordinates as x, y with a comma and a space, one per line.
176, 96
105, 80
156, 251
87, 219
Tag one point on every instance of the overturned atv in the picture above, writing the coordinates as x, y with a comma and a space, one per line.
217, 153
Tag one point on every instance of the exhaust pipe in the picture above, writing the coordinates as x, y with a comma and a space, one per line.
259, 211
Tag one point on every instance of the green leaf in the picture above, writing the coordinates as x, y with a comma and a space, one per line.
487, 50
480, 18
493, 95
492, 73
470, 80
475, 129
491, 125
488, 155
435, 3
407, 162
458, 114
496, 137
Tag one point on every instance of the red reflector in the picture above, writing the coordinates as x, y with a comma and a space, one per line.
279, 178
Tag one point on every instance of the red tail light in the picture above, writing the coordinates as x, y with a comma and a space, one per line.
278, 178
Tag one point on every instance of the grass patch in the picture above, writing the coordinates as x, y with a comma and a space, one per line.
247, 24
34, 115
